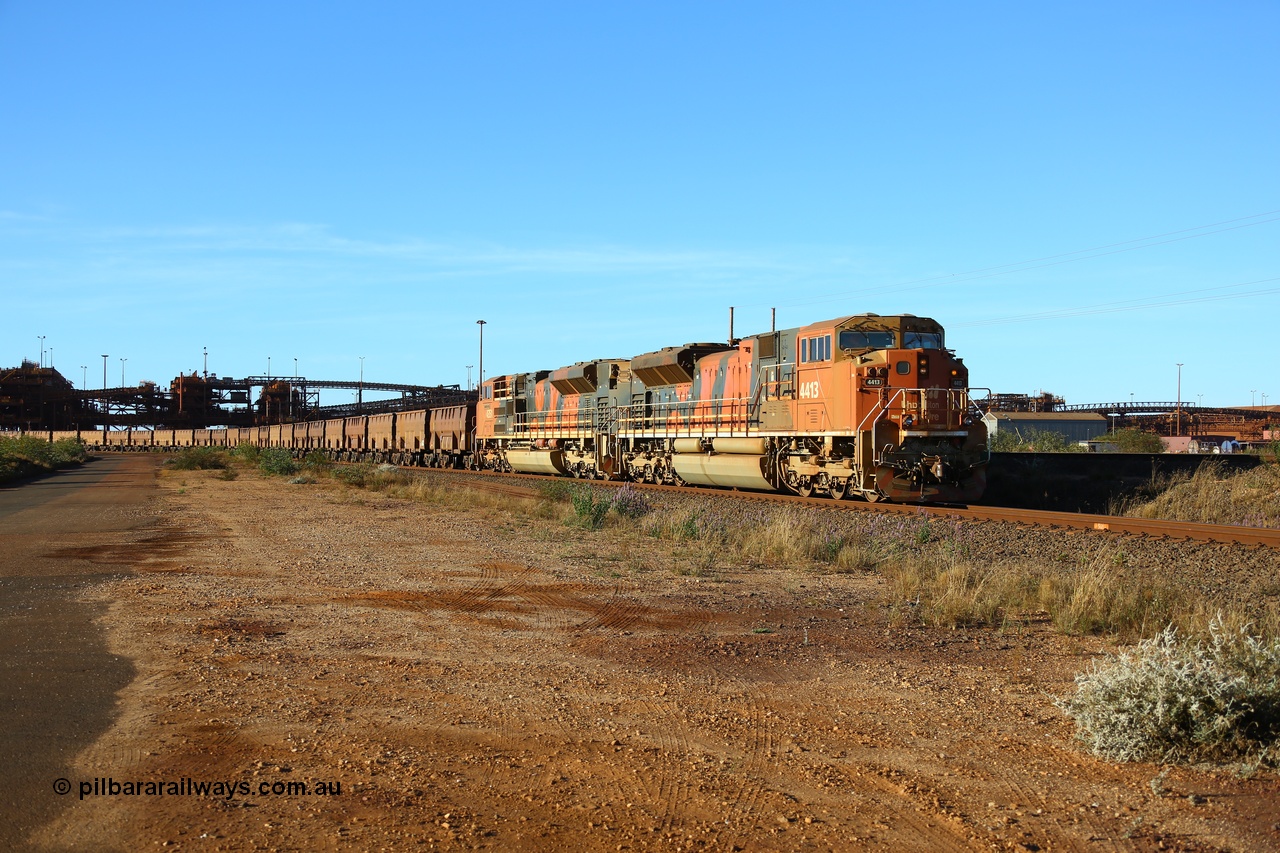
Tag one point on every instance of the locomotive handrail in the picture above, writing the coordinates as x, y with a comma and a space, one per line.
753, 412
732, 415
879, 410
777, 371
695, 416
958, 398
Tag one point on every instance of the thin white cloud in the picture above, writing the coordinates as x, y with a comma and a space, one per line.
280, 250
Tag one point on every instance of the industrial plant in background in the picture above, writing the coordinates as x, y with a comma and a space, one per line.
37, 398
34, 398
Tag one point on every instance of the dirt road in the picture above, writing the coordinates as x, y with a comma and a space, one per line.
59, 678
478, 679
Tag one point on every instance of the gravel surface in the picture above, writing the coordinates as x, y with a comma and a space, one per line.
477, 678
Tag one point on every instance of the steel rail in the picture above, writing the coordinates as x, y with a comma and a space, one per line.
1262, 537
1108, 524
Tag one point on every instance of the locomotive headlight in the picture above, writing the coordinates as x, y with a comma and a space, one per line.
908, 421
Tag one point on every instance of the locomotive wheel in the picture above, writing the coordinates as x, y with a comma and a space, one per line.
838, 489
871, 496
805, 489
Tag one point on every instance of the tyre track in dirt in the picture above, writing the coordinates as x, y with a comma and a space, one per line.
491, 689
747, 797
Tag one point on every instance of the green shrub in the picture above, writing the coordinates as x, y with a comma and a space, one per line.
556, 490
248, 452
277, 461
1134, 441
27, 448
67, 451
317, 460
357, 475
1030, 440
589, 507
198, 459
1174, 699
24, 455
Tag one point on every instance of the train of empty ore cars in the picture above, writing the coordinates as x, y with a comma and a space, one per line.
862, 406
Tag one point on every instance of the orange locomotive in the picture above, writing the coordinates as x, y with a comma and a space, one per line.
865, 405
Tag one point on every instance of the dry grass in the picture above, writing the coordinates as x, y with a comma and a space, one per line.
769, 536
943, 587
424, 488
1103, 597
932, 575
1215, 496
1097, 595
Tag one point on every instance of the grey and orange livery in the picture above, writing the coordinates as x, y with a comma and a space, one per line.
867, 406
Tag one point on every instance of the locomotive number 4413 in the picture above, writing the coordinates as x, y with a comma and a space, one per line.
810, 390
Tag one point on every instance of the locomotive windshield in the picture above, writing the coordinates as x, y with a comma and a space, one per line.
853, 339
921, 340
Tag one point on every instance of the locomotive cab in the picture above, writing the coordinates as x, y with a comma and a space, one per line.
880, 408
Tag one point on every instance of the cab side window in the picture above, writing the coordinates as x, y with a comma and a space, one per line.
815, 349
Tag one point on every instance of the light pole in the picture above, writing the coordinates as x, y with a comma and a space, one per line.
1200, 401
360, 393
122, 361
469, 366
104, 391
206, 362
41, 337
1178, 417
1252, 399
295, 368
84, 377
268, 368
50, 358
481, 323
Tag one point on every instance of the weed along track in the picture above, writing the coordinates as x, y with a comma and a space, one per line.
483, 664
1224, 533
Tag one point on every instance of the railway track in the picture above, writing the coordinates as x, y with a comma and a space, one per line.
1111, 524
1262, 537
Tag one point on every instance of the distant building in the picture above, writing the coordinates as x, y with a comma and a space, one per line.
34, 397
1072, 426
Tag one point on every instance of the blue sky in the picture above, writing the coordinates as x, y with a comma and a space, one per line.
1084, 194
